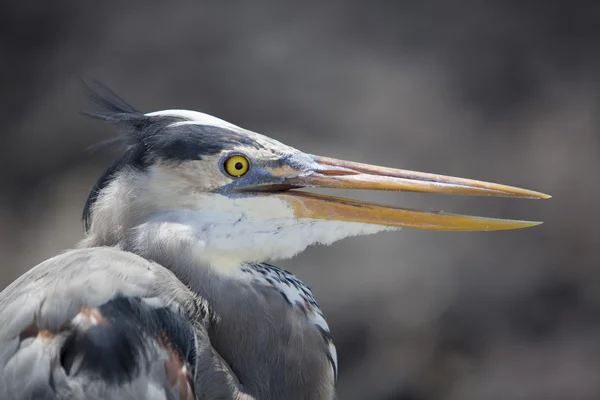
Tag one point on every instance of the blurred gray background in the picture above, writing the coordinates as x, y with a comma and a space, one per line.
505, 91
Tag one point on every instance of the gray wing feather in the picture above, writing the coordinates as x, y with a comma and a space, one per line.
47, 315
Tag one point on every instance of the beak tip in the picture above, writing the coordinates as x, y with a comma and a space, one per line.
527, 224
536, 223
527, 194
531, 194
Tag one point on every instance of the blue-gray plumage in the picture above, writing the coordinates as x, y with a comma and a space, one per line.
103, 323
169, 295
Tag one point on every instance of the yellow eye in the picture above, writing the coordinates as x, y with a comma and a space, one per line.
237, 165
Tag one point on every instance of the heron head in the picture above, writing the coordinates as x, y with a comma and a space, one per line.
237, 196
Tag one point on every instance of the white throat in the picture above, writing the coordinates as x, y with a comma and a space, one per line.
227, 232
162, 219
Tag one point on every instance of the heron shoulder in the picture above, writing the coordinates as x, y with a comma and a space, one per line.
297, 294
100, 322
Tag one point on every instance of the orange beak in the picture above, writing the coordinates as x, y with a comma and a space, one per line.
332, 173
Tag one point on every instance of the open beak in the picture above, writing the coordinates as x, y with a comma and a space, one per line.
332, 173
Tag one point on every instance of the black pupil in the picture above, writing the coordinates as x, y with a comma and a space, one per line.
239, 166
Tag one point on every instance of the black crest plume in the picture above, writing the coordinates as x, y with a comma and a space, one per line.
149, 138
137, 132
116, 111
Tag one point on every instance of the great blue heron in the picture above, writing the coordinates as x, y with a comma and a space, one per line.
169, 295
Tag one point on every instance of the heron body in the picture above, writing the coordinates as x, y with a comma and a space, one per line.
169, 295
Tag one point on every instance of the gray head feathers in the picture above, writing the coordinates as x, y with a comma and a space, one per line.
172, 136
